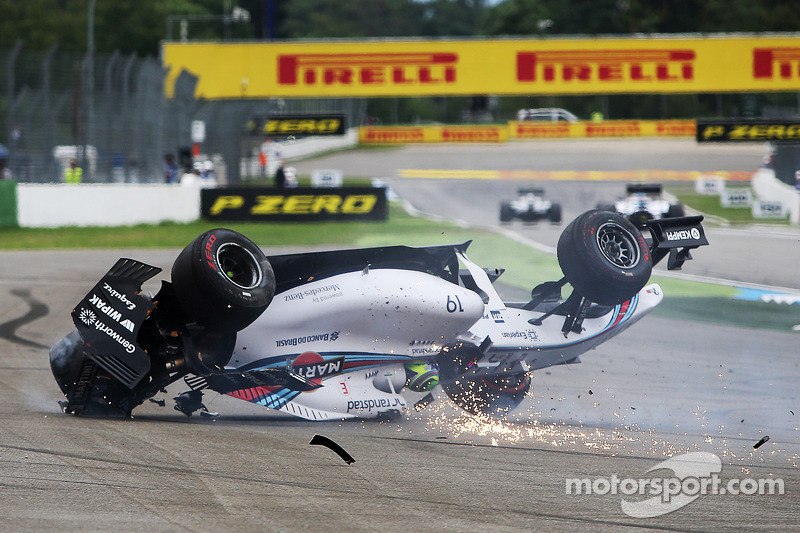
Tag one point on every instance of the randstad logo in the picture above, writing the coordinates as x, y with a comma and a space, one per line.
426, 68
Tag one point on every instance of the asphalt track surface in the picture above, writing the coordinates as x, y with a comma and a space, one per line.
662, 388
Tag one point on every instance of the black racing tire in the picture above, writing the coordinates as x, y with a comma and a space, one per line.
506, 213
675, 210
223, 281
604, 257
554, 214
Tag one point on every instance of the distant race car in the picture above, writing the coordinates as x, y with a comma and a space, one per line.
530, 206
644, 202
340, 334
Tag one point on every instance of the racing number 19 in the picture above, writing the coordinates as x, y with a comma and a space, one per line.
454, 304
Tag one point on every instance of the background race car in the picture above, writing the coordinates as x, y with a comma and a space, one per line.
530, 206
644, 202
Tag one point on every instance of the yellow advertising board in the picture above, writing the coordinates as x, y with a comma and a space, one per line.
432, 134
608, 128
716, 63
524, 130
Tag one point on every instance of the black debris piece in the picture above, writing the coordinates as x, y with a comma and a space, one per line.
758, 444
424, 402
319, 440
791, 412
161, 403
590, 391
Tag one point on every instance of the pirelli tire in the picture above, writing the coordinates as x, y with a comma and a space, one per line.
554, 214
604, 257
223, 281
506, 212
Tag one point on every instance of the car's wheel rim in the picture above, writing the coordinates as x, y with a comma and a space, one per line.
239, 266
617, 245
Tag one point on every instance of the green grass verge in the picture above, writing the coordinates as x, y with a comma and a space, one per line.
711, 205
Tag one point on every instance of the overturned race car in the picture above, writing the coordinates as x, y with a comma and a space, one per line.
338, 334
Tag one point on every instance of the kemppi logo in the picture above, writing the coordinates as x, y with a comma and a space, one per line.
666, 66
367, 69
783, 63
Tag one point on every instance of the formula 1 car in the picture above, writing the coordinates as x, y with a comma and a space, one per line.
338, 334
530, 206
644, 202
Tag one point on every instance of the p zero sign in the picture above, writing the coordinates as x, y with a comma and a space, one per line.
656, 64
748, 131
267, 204
298, 125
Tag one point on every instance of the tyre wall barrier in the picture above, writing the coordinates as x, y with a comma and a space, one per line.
105, 204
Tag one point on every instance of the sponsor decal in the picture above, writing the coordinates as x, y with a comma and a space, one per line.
377, 403
424, 351
497, 316
112, 313
297, 204
776, 63
683, 234
375, 69
530, 335
613, 129
90, 319
119, 296
297, 125
614, 66
315, 368
474, 134
675, 128
528, 130
300, 295
748, 131
319, 337
392, 135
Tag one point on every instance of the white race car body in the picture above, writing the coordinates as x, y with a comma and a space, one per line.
322, 330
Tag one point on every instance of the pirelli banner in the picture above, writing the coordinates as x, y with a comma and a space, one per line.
432, 134
654, 64
524, 130
745, 130
251, 204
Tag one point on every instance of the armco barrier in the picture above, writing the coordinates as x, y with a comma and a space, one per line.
8, 203
105, 204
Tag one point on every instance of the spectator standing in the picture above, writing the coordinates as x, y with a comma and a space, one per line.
172, 173
73, 173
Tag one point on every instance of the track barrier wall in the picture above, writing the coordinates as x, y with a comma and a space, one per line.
105, 204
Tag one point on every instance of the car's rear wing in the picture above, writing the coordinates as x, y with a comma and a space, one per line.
108, 320
676, 237
646, 188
